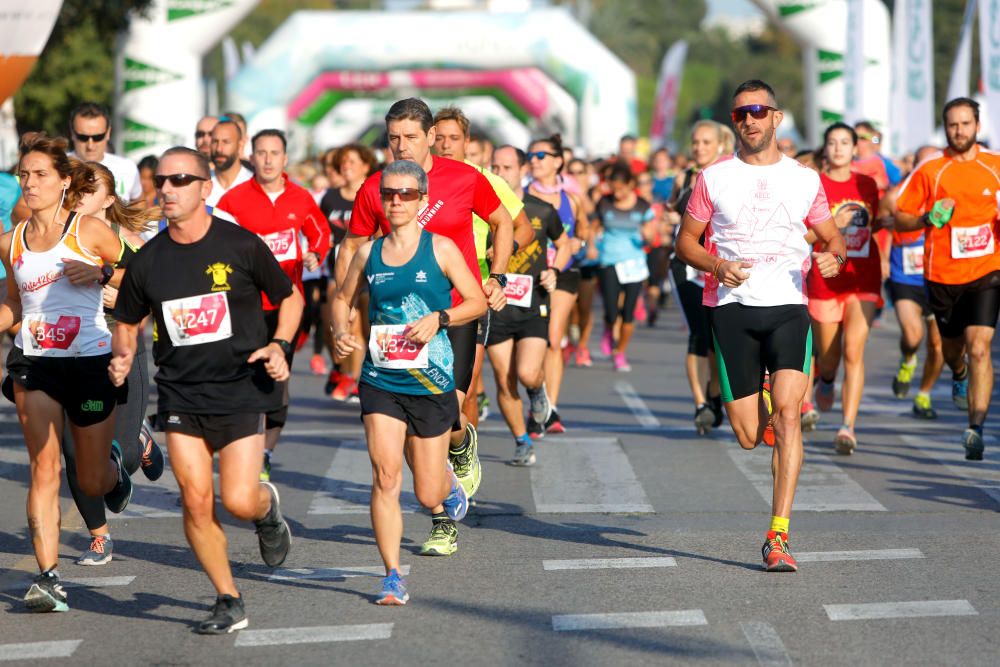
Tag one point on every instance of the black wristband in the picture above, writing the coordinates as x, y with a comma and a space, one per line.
285, 346
107, 273
516, 246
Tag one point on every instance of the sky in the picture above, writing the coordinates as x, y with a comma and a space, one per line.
731, 8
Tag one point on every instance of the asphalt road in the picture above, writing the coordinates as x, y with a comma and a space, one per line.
633, 541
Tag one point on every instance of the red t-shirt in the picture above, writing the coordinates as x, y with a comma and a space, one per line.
456, 191
863, 271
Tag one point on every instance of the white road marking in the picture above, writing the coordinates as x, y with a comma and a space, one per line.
642, 413
347, 485
78, 582
607, 563
637, 619
39, 650
873, 554
331, 573
948, 451
316, 635
591, 475
823, 486
880, 610
767, 646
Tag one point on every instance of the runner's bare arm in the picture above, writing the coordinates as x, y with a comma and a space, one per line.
689, 250
348, 247
907, 222
548, 277
10, 309
834, 255
98, 238
123, 344
289, 316
523, 233
502, 228
344, 299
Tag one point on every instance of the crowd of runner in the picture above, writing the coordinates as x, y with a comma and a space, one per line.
401, 270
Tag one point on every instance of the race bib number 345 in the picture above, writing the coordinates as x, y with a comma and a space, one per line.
196, 320
390, 348
47, 335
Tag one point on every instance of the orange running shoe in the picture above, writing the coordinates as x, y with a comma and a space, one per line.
343, 389
765, 391
777, 558
317, 364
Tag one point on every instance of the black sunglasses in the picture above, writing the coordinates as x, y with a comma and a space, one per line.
540, 155
198, 134
758, 111
405, 194
176, 180
84, 138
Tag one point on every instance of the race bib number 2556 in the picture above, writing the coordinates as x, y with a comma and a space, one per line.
196, 320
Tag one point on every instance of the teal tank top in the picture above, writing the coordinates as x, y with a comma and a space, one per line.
401, 295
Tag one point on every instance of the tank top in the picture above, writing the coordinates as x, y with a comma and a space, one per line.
58, 319
401, 295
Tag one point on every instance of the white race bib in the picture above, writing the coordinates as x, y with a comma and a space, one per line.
519, 289
282, 244
913, 260
50, 335
632, 271
969, 242
694, 276
858, 239
195, 320
390, 348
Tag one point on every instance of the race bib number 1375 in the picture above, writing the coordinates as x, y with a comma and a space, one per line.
195, 320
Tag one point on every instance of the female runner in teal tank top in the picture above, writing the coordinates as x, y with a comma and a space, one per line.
407, 387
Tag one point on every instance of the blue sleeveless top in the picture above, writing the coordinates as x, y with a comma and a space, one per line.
402, 295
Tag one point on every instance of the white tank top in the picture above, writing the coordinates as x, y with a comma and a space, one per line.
59, 319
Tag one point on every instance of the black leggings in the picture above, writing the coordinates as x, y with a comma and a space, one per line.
128, 421
611, 289
312, 316
689, 294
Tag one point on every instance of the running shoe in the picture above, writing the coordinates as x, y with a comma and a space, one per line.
960, 392
46, 593
466, 465
228, 615
583, 357
536, 430
332, 381
715, 403
972, 440
845, 442
317, 364
393, 590
443, 540
483, 404
607, 342
355, 397
457, 503
273, 534
99, 552
151, 460
640, 310
554, 424
904, 376
265, 469
777, 557
568, 349
541, 409
765, 392
825, 394
922, 407
524, 453
810, 416
301, 340
703, 419
117, 499
343, 389
621, 363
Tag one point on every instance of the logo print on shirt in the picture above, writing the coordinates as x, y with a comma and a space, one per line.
762, 193
220, 276
421, 276
986, 192
756, 236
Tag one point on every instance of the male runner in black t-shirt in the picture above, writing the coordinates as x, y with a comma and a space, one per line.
202, 281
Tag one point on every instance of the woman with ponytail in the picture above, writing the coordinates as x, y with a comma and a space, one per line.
57, 262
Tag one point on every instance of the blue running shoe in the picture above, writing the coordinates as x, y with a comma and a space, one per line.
960, 392
393, 590
457, 503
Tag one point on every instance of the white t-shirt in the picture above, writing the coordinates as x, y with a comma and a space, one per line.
127, 185
217, 189
759, 214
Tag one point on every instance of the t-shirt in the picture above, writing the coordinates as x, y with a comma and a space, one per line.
874, 168
337, 209
456, 191
759, 214
533, 258
481, 228
208, 318
127, 184
863, 271
965, 249
218, 190
621, 239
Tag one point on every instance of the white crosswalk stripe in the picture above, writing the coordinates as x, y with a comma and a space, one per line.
882, 610
586, 475
39, 650
607, 563
347, 485
637, 619
314, 635
332, 573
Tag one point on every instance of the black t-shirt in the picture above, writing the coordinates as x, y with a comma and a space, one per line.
205, 300
337, 210
544, 218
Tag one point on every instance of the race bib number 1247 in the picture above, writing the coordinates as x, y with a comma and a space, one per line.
195, 320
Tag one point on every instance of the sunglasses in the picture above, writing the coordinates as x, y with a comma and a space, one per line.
576, 172
176, 180
874, 138
202, 133
758, 111
84, 138
405, 194
540, 155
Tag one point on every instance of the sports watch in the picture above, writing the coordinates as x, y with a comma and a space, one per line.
444, 319
285, 346
500, 278
107, 273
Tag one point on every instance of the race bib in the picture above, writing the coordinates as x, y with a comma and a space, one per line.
391, 349
50, 335
282, 244
550, 255
195, 320
858, 239
694, 276
969, 242
632, 271
519, 289
913, 260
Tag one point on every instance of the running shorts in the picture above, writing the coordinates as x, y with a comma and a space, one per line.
658, 262
516, 323
589, 271
216, 430
463, 346
483, 327
425, 415
830, 311
752, 340
972, 304
79, 384
904, 292
568, 281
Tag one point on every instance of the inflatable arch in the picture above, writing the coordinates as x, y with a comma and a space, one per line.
290, 65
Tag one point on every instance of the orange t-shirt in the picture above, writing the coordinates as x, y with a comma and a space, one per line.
965, 249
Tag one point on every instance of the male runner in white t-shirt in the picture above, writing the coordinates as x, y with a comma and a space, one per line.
90, 130
755, 210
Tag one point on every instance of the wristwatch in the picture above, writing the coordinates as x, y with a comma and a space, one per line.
285, 346
107, 273
444, 319
500, 278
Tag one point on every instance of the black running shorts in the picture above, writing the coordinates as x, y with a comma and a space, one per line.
463, 346
916, 293
517, 323
425, 415
974, 304
750, 341
568, 281
216, 430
